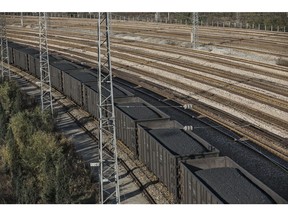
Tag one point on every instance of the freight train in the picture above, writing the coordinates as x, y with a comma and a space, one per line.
189, 166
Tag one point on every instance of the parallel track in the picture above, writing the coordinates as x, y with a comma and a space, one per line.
273, 143
170, 103
240, 39
279, 145
89, 40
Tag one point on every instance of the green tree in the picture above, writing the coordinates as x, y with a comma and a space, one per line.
39, 165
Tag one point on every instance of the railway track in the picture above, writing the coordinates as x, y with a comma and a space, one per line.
244, 37
163, 102
256, 96
276, 143
189, 115
277, 103
217, 58
253, 95
263, 138
260, 83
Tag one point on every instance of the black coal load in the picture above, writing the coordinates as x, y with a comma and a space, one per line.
232, 186
129, 112
162, 147
178, 141
138, 111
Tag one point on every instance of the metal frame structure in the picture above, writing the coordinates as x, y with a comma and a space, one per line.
45, 85
194, 33
5, 71
108, 172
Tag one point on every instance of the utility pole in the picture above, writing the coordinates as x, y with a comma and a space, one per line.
5, 71
109, 177
22, 24
45, 85
194, 33
157, 17
237, 18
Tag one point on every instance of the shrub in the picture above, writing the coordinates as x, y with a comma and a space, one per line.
36, 164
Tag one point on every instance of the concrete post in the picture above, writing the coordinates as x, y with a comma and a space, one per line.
278, 28
201, 23
265, 28
223, 24
229, 24
253, 26
258, 26
217, 24
212, 23
271, 28
284, 30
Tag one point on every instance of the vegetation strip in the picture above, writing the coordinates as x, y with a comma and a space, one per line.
37, 165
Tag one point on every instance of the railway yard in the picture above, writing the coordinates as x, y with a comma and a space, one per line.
232, 90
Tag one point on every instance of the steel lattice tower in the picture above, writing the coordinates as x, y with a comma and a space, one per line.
5, 71
194, 33
46, 96
109, 179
